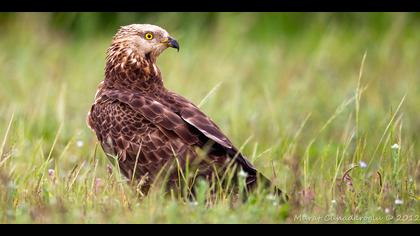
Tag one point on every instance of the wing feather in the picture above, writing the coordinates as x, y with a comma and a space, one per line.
182, 117
158, 114
193, 116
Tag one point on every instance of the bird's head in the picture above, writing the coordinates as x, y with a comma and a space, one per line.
145, 40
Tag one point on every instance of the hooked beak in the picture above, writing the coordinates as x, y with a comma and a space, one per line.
171, 42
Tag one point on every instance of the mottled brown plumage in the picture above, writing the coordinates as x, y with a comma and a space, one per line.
138, 120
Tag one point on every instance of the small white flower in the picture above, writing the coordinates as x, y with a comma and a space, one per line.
333, 201
243, 174
410, 180
194, 203
79, 143
387, 210
395, 146
51, 172
362, 164
398, 201
271, 197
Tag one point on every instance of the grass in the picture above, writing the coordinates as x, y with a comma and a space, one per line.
328, 109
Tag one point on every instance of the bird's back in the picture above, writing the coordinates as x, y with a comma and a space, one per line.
145, 126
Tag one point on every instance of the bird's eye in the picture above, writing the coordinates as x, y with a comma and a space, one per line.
149, 36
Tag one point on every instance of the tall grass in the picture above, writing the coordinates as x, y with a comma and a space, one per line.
324, 104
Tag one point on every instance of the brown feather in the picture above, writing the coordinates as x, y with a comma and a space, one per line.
137, 119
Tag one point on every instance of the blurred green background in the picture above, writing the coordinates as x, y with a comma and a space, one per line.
269, 25
281, 85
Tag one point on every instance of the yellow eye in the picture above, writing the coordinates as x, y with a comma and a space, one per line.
149, 36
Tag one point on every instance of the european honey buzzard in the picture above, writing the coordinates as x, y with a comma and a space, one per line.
145, 126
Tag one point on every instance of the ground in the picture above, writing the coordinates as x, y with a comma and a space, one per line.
328, 109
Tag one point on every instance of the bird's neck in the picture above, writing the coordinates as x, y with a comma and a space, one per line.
127, 70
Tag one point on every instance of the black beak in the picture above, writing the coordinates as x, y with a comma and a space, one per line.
173, 43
